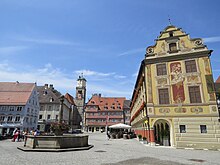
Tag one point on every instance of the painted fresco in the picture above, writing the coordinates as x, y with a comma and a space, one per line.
207, 67
149, 84
177, 79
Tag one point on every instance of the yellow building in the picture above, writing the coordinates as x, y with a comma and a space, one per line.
174, 100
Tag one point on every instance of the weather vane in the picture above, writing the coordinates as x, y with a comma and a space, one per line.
169, 20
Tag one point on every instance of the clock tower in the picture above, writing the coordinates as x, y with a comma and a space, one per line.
81, 97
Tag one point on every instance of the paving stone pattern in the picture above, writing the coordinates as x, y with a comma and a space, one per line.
108, 152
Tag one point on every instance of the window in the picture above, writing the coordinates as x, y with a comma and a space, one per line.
182, 129
51, 99
171, 34
194, 94
11, 108
49, 108
48, 117
203, 129
97, 128
41, 108
19, 108
163, 96
190, 66
2, 118
4, 108
9, 118
172, 47
40, 117
56, 117
17, 118
161, 69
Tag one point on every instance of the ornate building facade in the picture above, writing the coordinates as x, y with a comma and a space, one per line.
174, 101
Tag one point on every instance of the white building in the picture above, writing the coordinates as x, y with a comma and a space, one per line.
19, 106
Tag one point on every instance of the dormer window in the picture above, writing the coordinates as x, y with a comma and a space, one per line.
45, 93
171, 34
172, 47
92, 102
51, 99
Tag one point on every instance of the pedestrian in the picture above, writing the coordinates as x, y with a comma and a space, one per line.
108, 135
13, 134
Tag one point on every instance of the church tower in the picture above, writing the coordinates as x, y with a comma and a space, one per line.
81, 96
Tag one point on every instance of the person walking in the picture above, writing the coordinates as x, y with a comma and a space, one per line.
14, 134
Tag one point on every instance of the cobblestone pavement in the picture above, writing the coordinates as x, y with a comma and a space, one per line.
108, 152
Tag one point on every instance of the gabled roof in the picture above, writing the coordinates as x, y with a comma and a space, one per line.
69, 98
127, 104
218, 80
107, 102
15, 93
48, 95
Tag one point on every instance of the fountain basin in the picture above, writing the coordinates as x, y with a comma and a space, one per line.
56, 143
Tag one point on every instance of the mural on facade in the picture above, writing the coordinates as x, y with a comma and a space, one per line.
149, 84
207, 67
177, 79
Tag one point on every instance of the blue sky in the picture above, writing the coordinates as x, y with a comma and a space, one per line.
54, 41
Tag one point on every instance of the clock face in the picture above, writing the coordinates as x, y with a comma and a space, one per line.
79, 83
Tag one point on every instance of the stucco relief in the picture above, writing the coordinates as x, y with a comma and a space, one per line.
164, 110
177, 79
207, 66
163, 49
211, 97
214, 109
149, 84
192, 79
180, 110
162, 81
196, 110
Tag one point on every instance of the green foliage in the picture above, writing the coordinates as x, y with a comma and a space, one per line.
140, 136
144, 138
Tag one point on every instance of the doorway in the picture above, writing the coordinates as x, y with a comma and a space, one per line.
162, 132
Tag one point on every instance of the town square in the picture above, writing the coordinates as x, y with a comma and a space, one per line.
109, 82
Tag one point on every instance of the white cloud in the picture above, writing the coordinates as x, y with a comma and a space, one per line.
93, 73
49, 41
64, 83
212, 39
133, 51
11, 49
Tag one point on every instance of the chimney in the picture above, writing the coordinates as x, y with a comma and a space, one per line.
51, 86
100, 94
46, 86
17, 82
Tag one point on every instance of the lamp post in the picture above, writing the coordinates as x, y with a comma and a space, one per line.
61, 109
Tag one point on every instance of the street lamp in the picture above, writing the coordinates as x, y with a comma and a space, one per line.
61, 109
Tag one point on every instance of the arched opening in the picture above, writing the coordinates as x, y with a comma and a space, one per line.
162, 132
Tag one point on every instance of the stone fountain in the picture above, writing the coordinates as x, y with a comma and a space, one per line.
57, 142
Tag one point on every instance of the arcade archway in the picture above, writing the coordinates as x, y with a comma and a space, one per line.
162, 132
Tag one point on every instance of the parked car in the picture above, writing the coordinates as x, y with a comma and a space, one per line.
76, 131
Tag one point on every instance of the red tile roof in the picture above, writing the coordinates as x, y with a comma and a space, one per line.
108, 102
69, 98
15, 93
218, 80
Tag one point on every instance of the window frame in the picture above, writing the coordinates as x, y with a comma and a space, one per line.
161, 69
182, 129
190, 66
161, 95
195, 96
